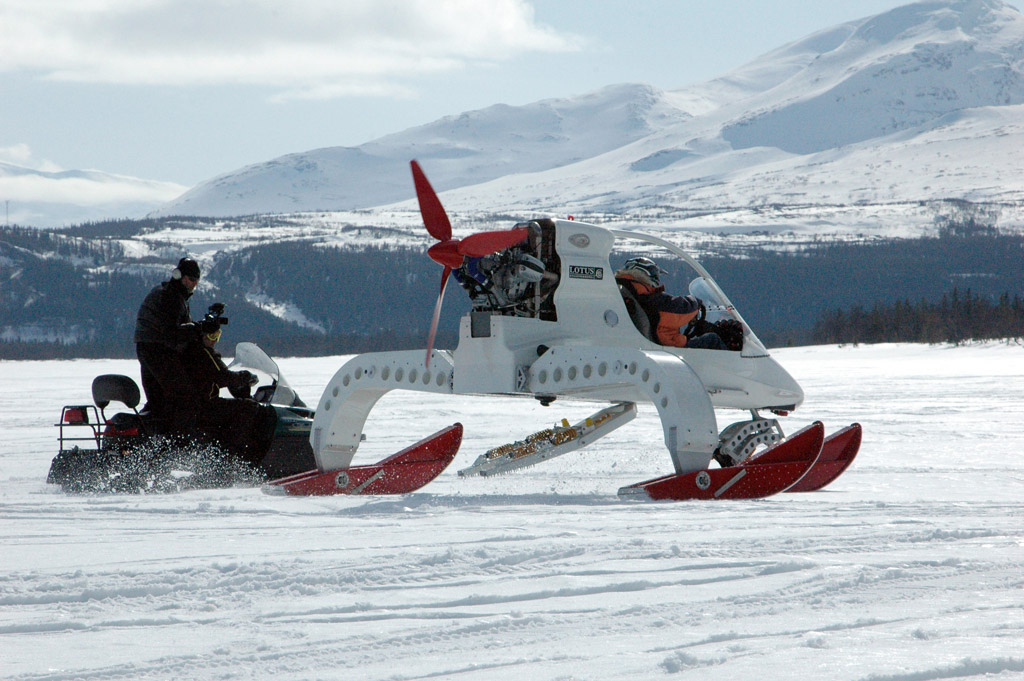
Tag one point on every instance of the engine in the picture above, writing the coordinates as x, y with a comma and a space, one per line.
515, 281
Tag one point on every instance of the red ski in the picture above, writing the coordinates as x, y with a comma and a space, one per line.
400, 473
837, 454
770, 472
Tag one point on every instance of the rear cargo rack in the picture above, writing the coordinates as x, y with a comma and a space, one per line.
79, 417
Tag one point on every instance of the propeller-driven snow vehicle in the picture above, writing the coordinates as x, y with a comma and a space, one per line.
123, 452
548, 320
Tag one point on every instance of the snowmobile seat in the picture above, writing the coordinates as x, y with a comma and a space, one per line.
122, 431
115, 388
124, 423
636, 313
109, 388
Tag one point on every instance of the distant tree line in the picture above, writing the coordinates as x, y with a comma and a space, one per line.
72, 296
64, 244
81, 291
361, 292
783, 294
958, 317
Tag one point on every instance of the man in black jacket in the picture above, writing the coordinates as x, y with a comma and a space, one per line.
163, 330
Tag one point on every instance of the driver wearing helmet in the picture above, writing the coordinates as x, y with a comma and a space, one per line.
669, 315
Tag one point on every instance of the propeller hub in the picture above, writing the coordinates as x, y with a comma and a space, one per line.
446, 253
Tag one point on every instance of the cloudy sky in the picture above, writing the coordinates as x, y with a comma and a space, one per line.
182, 90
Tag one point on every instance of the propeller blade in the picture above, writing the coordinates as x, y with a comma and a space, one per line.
434, 218
485, 243
437, 313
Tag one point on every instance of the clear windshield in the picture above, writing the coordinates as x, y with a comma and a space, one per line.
275, 389
700, 288
719, 308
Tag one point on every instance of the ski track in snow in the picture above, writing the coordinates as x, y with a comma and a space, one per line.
908, 568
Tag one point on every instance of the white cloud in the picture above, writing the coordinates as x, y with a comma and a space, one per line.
82, 188
18, 153
310, 48
21, 155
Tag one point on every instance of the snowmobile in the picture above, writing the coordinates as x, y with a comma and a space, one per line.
124, 452
548, 320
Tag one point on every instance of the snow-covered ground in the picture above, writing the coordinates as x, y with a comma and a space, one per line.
908, 568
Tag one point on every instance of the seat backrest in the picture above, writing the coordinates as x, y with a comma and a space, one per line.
636, 313
115, 388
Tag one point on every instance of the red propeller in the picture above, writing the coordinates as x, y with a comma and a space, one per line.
449, 252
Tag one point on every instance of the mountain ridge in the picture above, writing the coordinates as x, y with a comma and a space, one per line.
376, 173
763, 133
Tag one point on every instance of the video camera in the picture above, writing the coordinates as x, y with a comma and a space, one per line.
213, 319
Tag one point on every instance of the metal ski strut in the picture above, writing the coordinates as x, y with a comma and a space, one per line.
551, 442
739, 440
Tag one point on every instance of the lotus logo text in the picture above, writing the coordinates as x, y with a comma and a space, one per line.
584, 272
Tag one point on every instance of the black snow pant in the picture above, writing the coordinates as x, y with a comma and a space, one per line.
244, 426
170, 394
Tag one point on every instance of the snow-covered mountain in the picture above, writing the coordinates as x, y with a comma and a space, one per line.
920, 103
460, 150
84, 195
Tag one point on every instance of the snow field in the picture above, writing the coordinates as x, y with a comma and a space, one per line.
910, 567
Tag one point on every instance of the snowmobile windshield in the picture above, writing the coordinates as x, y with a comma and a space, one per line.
251, 357
719, 308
